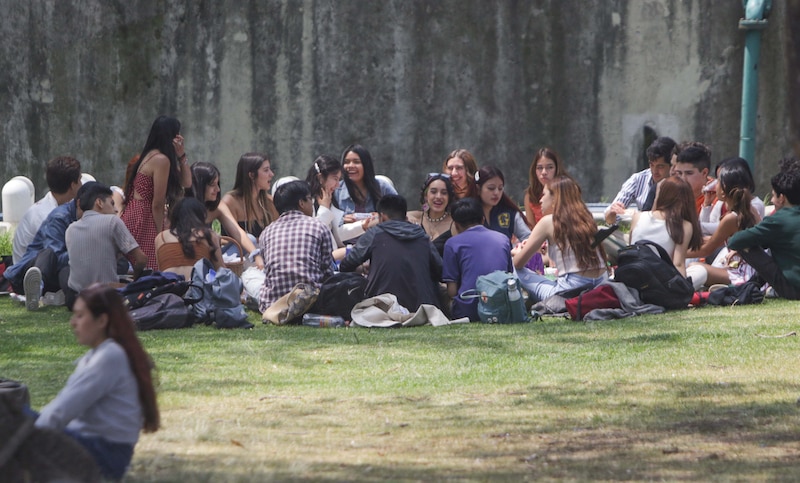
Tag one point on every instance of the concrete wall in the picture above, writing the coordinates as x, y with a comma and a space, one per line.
411, 80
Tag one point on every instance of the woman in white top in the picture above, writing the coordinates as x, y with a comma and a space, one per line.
672, 223
569, 231
109, 398
323, 178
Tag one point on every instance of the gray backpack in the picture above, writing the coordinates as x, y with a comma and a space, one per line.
221, 297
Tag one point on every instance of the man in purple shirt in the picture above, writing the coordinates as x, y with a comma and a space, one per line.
474, 251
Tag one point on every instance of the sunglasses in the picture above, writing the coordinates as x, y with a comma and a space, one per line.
438, 175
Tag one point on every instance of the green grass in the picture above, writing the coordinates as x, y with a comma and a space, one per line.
690, 395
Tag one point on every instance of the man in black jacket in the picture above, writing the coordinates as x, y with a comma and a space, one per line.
403, 261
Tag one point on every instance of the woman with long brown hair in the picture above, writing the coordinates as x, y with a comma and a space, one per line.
733, 189
569, 231
110, 397
249, 202
545, 167
673, 222
460, 164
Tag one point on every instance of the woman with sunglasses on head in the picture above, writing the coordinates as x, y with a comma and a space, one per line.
569, 232
460, 164
502, 214
110, 397
545, 167
249, 202
359, 191
436, 197
206, 188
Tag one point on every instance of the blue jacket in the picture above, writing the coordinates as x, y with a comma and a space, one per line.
52, 235
508, 222
346, 203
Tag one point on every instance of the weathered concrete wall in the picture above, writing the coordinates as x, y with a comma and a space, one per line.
411, 80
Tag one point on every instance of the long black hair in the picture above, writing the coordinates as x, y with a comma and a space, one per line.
202, 175
485, 174
162, 133
323, 166
736, 181
187, 221
373, 188
102, 299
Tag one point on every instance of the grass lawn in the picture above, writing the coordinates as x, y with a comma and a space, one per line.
703, 394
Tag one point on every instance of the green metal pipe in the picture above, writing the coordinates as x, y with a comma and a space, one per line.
754, 22
747, 133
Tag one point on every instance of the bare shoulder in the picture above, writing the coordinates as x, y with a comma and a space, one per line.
415, 217
154, 161
234, 204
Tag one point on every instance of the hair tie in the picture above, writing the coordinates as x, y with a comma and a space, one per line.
477, 176
316, 166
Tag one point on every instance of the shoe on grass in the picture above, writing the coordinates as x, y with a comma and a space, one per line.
32, 283
54, 298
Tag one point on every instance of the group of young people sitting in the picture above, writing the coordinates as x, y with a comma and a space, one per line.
423, 256
343, 217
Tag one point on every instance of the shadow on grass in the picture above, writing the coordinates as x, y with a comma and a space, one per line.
602, 456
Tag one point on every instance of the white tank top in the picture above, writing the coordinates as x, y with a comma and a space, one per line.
653, 229
567, 262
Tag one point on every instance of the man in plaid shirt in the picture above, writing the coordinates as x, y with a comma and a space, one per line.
296, 247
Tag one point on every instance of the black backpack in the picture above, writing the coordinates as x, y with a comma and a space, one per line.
139, 292
340, 293
163, 311
653, 275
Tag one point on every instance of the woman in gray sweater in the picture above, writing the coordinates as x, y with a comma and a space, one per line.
110, 396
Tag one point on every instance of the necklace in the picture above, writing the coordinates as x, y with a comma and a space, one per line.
435, 220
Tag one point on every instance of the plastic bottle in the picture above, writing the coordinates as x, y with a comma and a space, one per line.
517, 307
317, 320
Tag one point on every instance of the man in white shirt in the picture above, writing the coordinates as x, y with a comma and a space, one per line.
63, 176
641, 186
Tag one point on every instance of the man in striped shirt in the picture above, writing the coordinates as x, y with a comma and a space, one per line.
96, 241
641, 186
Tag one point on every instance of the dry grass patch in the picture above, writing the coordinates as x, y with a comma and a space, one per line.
690, 395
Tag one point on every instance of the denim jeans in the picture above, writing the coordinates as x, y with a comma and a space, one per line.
112, 458
540, 287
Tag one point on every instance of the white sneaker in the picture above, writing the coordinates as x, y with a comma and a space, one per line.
32, 283
54, 298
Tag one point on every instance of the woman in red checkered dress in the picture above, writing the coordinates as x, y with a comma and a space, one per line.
162, 172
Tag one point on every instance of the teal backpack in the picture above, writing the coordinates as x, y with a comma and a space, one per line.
499, 298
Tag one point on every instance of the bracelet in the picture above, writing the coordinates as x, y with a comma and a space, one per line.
182, 157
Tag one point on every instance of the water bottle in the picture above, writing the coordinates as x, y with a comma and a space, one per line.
317, 320
514, 298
